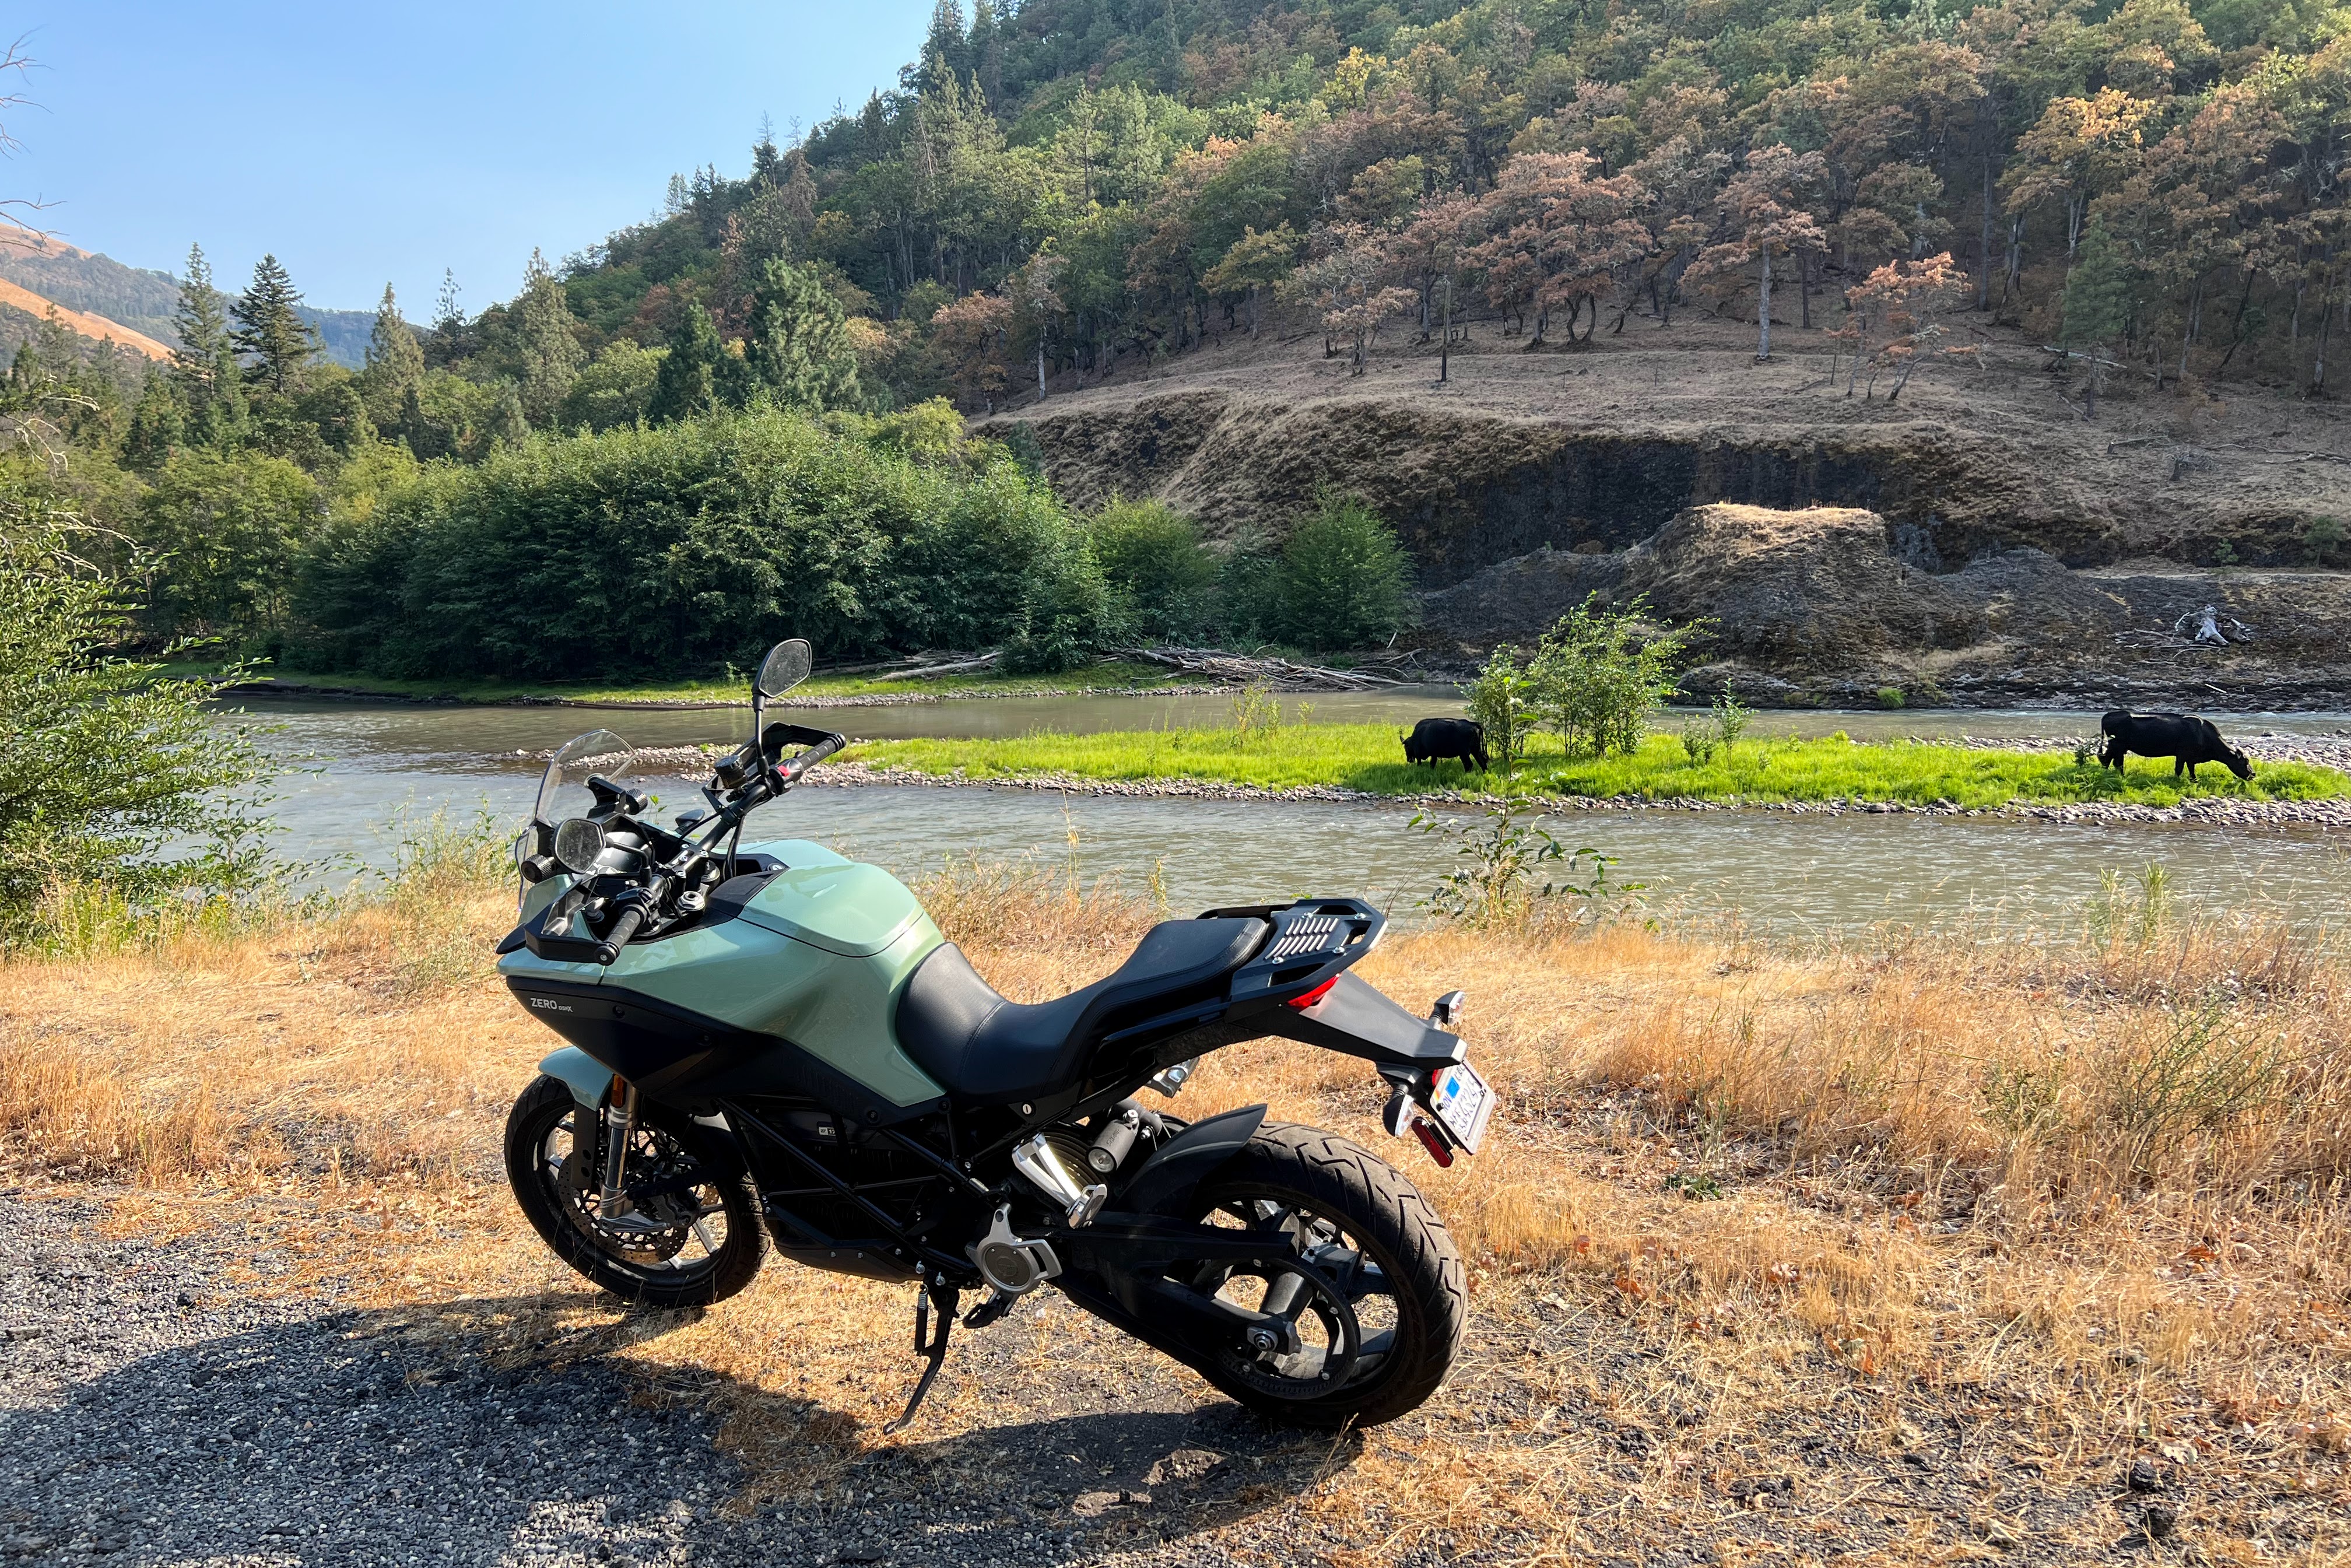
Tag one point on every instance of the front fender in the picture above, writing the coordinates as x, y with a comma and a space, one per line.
589, 1080
1166, 1182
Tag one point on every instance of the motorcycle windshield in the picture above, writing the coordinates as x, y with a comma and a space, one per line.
563, 790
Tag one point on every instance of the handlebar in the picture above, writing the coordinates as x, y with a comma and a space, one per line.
635, 905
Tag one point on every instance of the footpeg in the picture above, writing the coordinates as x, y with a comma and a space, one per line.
1039, 1161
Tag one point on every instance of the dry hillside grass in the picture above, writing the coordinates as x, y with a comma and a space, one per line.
1900, 1253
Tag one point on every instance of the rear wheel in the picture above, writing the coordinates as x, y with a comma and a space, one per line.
1366, 1327
689, 1233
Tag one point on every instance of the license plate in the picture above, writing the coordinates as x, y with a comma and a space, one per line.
1463, 1103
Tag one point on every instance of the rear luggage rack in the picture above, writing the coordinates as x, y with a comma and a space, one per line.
1313, 940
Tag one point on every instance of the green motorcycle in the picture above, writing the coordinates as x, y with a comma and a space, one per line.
769, 1041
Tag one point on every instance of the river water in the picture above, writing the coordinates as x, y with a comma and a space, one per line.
368, 764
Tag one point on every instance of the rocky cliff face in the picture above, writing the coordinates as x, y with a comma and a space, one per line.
1467, 489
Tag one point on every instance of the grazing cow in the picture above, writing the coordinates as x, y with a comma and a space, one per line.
1433, 740
2187, 740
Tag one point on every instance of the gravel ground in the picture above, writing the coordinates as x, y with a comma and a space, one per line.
161, 1408
158, 1410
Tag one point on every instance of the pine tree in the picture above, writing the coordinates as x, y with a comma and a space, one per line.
508, 424
798, 348
767, 159
204, 370
946, 53
268, 328
548, 355
688, 380
447, 344
2095, 307
987, 50
395, 362
158, 424
198, 322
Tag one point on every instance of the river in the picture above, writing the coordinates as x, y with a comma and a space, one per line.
371, 764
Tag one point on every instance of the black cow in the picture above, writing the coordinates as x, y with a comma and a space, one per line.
2187, 740
1433, 740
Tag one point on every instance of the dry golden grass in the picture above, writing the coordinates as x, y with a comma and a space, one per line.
1890, 1253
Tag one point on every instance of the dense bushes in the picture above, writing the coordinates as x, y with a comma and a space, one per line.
1343, 581
1340, 580
638, 552
222, 528
1164, 579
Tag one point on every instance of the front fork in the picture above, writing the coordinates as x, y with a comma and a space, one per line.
619, 1130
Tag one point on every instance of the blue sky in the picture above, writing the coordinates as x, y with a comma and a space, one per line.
373, 143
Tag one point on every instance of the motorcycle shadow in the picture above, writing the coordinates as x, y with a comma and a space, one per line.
509, 1428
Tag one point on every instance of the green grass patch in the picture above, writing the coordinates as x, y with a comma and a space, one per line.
1369, 756
1117, 676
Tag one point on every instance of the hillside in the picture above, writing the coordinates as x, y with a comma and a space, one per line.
139, 299
2009, 548
28, 310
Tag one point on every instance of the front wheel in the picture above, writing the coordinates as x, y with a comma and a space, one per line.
1366, 1331
689, 1233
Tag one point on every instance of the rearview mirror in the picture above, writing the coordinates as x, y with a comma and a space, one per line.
579, 843
786, 665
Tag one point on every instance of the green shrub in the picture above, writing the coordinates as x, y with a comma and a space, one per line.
1599, 679
1889, 696
1502, 702
1163, 579
676, 548
1343, 580
2323, 537
108, 775
1249, 591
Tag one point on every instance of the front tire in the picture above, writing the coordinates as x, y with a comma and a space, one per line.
693, 1235
1387, 1249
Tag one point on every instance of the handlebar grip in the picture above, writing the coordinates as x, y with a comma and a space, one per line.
624, 925
814, 755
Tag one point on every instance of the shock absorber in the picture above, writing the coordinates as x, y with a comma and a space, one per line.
1111, 1144
620, 1128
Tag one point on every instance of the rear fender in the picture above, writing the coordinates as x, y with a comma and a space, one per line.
1355, 1018
588, 1079
1165, 1183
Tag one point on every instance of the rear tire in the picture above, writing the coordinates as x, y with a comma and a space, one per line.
1409, 1345
710, 1251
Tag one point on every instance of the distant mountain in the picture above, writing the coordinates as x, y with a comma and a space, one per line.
344, 333
141, 298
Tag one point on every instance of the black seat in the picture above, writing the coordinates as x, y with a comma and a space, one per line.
981, 1047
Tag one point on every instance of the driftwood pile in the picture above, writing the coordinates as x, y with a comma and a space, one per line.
1241, 669
1212, 664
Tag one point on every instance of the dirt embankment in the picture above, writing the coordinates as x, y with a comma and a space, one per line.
1819, 605
1977, 534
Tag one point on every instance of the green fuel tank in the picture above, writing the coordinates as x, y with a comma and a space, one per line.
818, 957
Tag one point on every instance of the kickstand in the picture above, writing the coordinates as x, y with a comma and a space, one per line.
933, 1349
